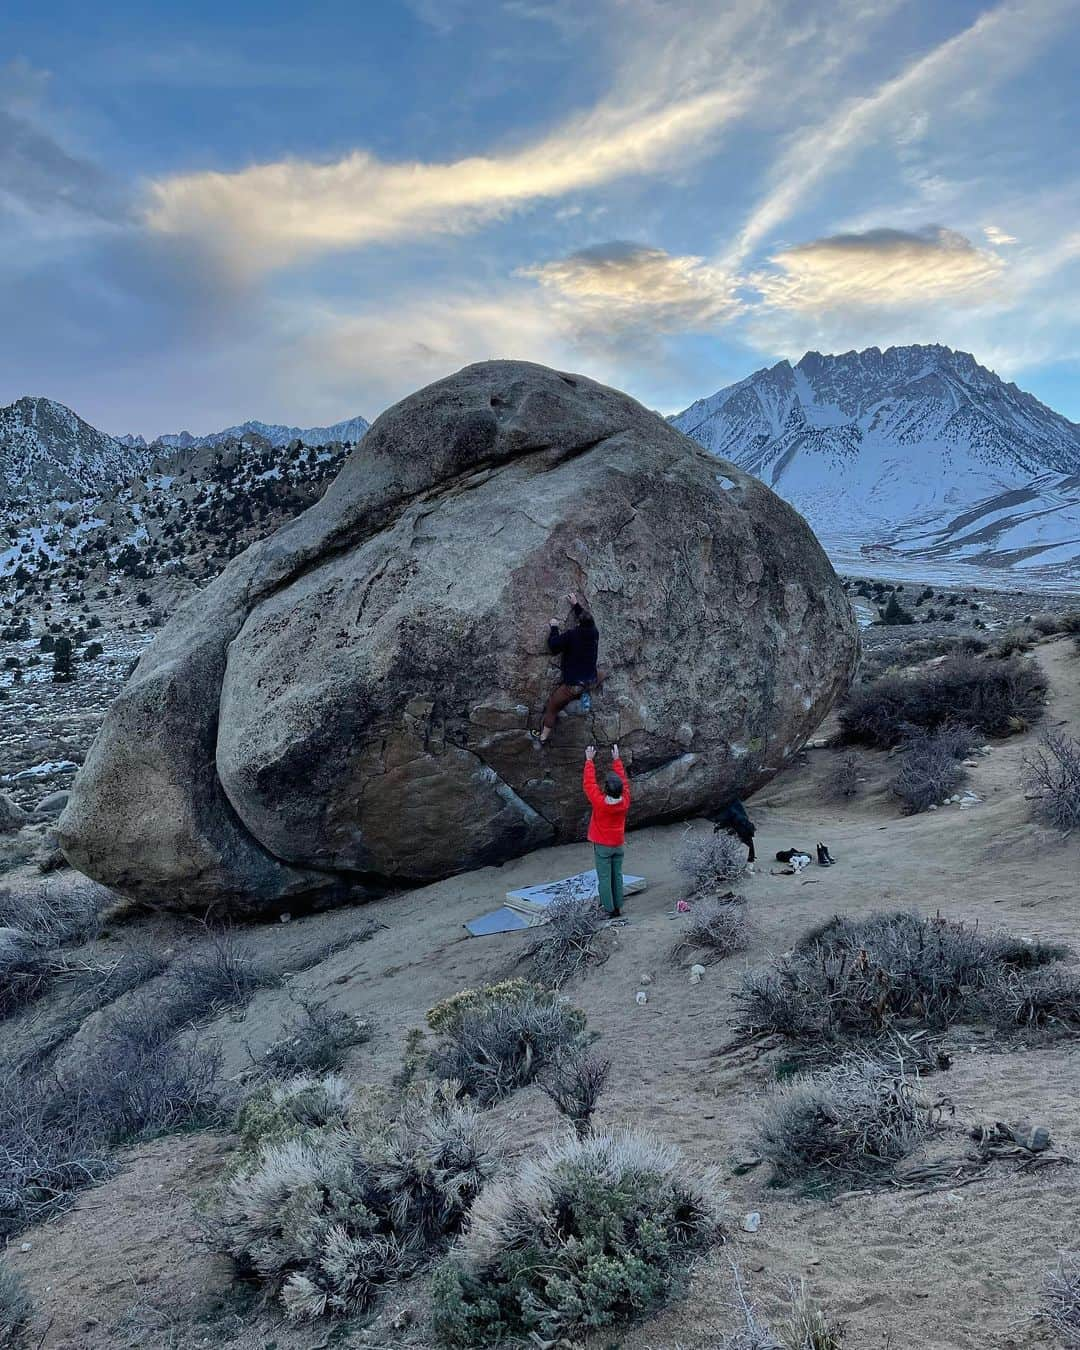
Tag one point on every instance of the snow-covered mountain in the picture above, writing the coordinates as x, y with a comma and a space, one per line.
884, 452
46, 450
349, 431
878, 436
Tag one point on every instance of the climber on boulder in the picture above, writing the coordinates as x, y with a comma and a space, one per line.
578, 646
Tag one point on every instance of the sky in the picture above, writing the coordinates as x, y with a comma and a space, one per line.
218, 211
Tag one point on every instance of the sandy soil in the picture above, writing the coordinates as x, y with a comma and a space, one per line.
954, 1269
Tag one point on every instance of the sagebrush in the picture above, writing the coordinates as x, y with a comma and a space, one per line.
326, 1218
714, 930
1053, 772
568, 941
864, 977
575, 1082
317, 1040
16, 1309
856, 1120
930, 767
1061, 1301
500, 1044
993, 697
712, 862
631, 1213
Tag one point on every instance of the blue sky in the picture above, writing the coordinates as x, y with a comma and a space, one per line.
211, 212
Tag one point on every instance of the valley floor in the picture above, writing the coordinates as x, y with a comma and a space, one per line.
959, 1268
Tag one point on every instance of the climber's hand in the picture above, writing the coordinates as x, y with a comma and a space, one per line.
573, 597
590, 753
614, 752
553, 622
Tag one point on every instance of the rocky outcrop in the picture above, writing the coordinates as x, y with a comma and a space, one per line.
350, 701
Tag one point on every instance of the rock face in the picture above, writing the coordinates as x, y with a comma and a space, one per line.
350, 701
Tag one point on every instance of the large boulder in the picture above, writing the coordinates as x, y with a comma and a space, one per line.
350, 701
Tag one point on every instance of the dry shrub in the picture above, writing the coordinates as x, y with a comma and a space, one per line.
568, 941
136, 1080
864, 977
714, 930
327, 1218
25, 970
595, 1233
502, 1044
1015, 641
843, 778
712, 862
16, 1309
930, 767
995, 698
1061, 1301
56, 916
1053, 771
216, 978
856, 1120
575, 1081
806, 1328
317, 1040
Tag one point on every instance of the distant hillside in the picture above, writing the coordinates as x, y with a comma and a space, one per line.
870, 444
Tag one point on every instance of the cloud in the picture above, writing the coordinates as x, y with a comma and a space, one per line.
879, 268
618, 286
996, 236
271, 214
1000, 42
39, 177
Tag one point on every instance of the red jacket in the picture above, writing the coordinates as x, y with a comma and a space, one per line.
608, 823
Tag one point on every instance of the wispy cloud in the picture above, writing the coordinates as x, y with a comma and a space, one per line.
998, 236
274, 213
880, 267
1001, 41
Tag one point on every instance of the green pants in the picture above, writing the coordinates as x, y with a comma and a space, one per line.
609, 875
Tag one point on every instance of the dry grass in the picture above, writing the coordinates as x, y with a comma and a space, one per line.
1061, 1301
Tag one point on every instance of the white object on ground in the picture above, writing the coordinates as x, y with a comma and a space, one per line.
641, 996
646, 979
751, 1222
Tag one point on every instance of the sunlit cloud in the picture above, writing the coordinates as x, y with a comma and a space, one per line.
998, 237
879, 267
274, 213
618, 286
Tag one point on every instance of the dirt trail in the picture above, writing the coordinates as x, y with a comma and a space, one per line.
956, 1269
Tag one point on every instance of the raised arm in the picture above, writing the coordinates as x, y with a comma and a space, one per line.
617, 765
588, 780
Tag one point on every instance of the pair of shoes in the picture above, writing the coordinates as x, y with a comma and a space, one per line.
824, 857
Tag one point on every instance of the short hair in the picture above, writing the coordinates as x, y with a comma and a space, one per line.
613, 785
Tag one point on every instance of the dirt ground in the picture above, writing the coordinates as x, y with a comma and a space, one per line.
957, 1268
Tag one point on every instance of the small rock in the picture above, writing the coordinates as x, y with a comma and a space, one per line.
402, 1320
53, 804
751, 1222
641, 996
697, 970
971, 763
25, 1246
12, 816
646, 979
285, 918
933, 806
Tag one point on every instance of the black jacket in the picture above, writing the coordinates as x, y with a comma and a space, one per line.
579, 647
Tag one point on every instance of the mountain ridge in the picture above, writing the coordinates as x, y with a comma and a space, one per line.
869, 444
